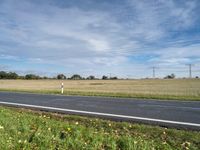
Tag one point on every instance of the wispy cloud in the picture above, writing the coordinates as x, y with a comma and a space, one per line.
93, 37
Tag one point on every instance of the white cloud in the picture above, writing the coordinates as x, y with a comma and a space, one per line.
4, 67
99, 45
95, 39
9, 57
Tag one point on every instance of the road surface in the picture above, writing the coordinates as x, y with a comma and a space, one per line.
176, 114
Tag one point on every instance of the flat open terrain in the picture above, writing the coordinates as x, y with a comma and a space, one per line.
24, 129
180, 89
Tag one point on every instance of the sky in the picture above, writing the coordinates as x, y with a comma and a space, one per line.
123, 38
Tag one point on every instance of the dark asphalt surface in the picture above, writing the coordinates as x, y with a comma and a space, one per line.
178, 111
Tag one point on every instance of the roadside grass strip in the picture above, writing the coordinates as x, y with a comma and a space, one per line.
27, 129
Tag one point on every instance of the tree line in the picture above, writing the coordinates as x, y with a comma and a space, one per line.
13, 75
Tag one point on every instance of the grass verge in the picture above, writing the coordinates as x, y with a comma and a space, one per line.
26, 129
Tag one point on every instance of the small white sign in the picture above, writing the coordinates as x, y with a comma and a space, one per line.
62, 88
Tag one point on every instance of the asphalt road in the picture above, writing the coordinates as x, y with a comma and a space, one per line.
164, 113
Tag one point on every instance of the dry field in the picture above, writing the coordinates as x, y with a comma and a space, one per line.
188, 89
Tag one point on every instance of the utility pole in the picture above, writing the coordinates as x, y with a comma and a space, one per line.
110, 75
190, 70
154, 72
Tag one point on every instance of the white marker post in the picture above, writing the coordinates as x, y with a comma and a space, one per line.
62, 88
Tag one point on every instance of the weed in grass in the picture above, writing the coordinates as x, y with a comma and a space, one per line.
23, 129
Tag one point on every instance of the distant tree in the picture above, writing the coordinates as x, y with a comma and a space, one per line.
197, 77
91, 77
61, 76
172, 76
104, 77
113, 78
76, 77
32, 77
12, 75
21, 77
3, 75
45, 77
9, 75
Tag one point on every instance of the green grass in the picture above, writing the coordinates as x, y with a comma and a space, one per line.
25, 129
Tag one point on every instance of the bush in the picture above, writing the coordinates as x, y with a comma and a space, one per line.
61, 77
91, 77
104, 77
76, 77
172, 76
113, 78
31, 77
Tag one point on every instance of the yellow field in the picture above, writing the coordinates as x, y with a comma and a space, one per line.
175, 89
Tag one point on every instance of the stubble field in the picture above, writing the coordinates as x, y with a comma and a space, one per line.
178, 89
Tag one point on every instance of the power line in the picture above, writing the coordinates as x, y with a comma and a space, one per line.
154, 72
110, 75
190, 70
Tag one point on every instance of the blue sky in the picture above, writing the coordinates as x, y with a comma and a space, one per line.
123, 38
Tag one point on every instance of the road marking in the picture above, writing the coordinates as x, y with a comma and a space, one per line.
102, 114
